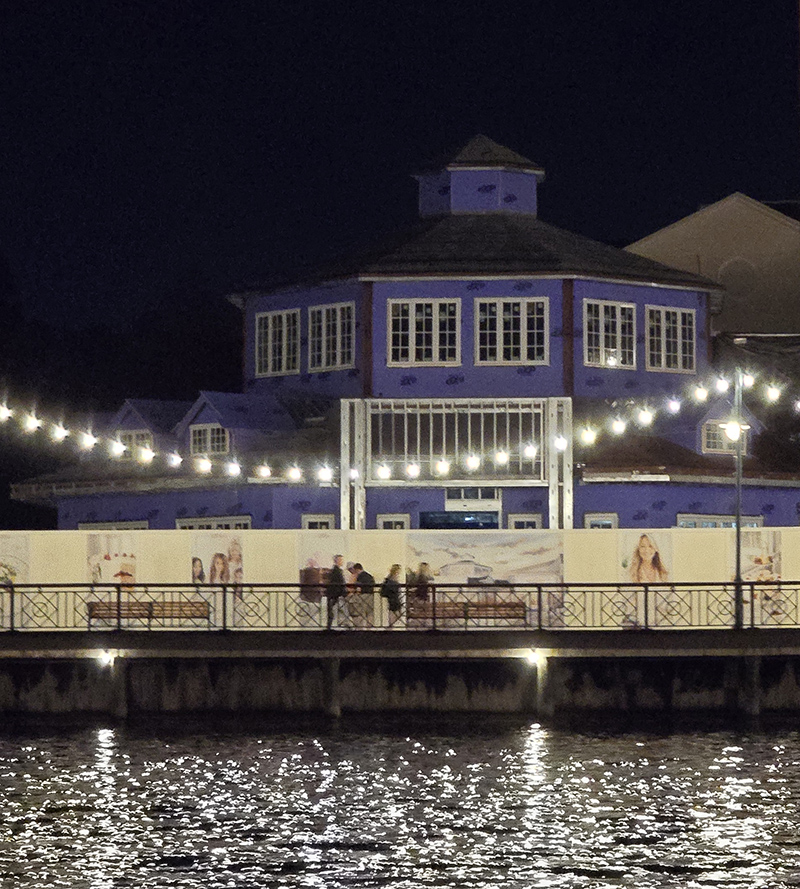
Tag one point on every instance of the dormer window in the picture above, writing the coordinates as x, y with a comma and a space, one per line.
670, 339
134, 441
717, 441
208, 438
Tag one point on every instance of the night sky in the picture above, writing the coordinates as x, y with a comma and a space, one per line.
156, 154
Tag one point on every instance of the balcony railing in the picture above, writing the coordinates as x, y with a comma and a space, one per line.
552, 607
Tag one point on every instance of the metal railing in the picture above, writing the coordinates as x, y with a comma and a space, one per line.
38, 607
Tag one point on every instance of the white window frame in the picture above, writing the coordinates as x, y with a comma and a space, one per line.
318, 522
521, 521
611, 518
609, 347
412, 346
503, 337
728, 446
134, 440
205, 450
712, 520
277, 337
386, 518
335, 348
489, 499
142, 525
680, 350
215, 523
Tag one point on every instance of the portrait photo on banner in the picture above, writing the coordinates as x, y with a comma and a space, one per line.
645, 557
111, 558
217, 557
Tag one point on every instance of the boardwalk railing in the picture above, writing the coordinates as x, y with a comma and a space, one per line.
95, 607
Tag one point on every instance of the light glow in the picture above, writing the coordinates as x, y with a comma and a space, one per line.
442, 467
473, 462
233, 468
106, 658
413, 470
722, 385
175, 460
5, 413
325, 474
674, 406
32, 423
748, 381
501, 458
645, 417
294, 473
701, 393
588, 435
88, 441
619, 426
733, 430
59, 433
560, 443
383, 472
530, 451
146, 455
773, 393
203, 465
263, 471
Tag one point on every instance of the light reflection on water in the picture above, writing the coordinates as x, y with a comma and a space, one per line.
472, 803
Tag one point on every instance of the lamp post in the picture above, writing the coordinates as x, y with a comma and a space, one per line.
738, 592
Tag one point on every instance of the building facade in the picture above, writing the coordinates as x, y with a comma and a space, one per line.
479, 369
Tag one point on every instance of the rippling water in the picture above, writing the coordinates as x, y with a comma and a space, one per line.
467, 803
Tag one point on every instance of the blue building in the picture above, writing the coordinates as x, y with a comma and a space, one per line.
479, 369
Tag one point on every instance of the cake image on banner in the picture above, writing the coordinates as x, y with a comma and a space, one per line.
111, 558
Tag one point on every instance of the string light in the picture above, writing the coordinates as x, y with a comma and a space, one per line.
203, 464
473, 462
530, 451
560, 443
263, 471
88, 441
325, 474
618, 426
32, 423
146, 455
501, 458
748, 381
413, 470
701, 393
645, 416
721, 385
773, 393
59, 433
588, 435
442, 467
354, 473
383, 472
294, 473
174, 460
674, 406
233, 468
5, 413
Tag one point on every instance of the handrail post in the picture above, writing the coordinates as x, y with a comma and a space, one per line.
11, 606
119, 606
224, 607
752, 605
433, 606
647, 606
539, 601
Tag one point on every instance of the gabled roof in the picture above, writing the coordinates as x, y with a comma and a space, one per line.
479, 245
234, 410
482, 152
154, 414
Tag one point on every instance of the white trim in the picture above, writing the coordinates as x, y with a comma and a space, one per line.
318, 521
524, 345
608, 519
541, 276
526, 520
605, 359
114, 526
711, 520
215, 523
289, 348
662, 368
393, 517
208, 451
412, 333
339, 310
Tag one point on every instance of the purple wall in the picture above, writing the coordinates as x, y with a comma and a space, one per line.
477, 191
335, 383
604, 382
466, 380
654, 505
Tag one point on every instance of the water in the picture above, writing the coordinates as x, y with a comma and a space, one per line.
471, 802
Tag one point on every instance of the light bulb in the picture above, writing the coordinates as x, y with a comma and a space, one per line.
5, 412
618, 426
264, 471
233, 468
295, 473
560, 443
501, 458
473, 462
203, 465
530, 451
383, 472
645, 416
412, 470
32, 423
721, 385
588, 436
174, 459
674, 406
59, 433
442, 467
773, 393
325, 474
701, 393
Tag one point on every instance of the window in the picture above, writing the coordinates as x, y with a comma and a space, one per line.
394, 522
424, 332
511, 331
670, 339
113, 526
693, 520
210, 438
278, 343
456, 499
135, 441
524, 521
609, 334
715, 440
601, 520
311, 522
215, 523
330, 337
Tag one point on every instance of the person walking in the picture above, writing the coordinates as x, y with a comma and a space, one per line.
359, 600
390, 590
335, 588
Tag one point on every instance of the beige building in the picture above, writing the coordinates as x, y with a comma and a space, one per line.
751, 249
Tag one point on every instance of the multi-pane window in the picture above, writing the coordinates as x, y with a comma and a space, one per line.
314, 522
424, 331
330, 336
609, 334
135, 441
670, 339
209, 438
693, 520
511, 331
278, 343
716, 440
215, 523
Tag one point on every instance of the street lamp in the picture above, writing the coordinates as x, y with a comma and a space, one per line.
734, 430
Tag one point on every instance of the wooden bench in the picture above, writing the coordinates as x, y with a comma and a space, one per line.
149, 611
467, 611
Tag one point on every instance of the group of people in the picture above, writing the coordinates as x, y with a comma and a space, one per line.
224, 568
357, 592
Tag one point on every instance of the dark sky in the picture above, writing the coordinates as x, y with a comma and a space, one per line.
154, 147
